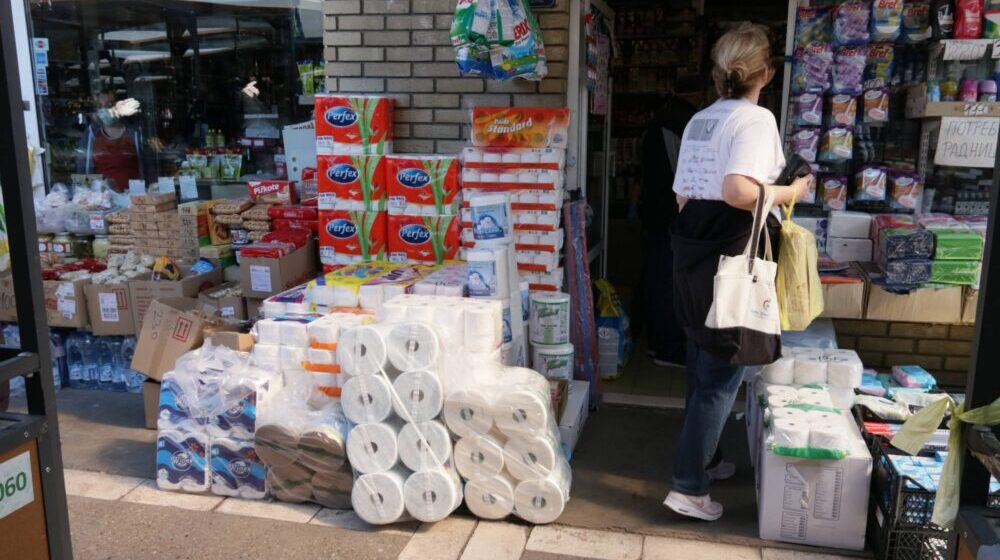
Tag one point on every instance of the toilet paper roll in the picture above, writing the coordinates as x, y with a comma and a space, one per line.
266, 355
322, 449
781, 372
333, 490
780, 391
276, 446
413, 346
844, 375
525, 406
448, 320
483, 328
237, 469
324, 334
779, 401
543, 500
815, 397
490, 498
420, 396
420, 311
790, 433
182, 461
366, 398
828, 435
370, 296
362, 350
842, 398
377, 498
291, 358
531, 457
321, 357
488, 272
268, 331
424, 445
808, 371
821, 417
479, 457
373, 447
468, 413
431, 495
290, 483
789, 414
294, 333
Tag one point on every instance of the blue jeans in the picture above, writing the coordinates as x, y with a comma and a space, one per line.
712, 387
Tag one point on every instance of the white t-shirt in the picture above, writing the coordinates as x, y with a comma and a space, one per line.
730, 137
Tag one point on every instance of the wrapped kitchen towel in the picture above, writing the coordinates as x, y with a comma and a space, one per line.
907, 271
905, 243
958, 245
965, 273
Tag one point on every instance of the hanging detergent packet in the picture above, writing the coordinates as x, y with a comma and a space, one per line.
498, 39
812, 24
880, 62
916, 22
886, 20
850, 23
849, 69
817, 58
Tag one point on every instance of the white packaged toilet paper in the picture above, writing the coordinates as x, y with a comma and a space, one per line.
413, 345
843, 369
810, 368
549, 317
789, 414
377, 498
483, 325
529, 457
780, 391
268, 331
373, 447
424, 445
294, 333
449, 320
525, 406
779, 401
431, 495
420, 395
830, 436
781, 372
792, 434
291, 358
267, 355
479, 457
362, 350
821, 417
468, 412
553, 361
814, 397
490, 498
543, 500
366, 398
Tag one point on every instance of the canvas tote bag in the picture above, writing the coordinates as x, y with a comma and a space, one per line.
745, 303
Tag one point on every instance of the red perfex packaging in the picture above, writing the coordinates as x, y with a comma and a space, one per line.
419, 185
351, 182
347, 237
423, 239
353, 124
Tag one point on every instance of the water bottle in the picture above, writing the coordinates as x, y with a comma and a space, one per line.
11, 335
120, 367
133, 379
58, 352
91, 365
105, 358
76, 360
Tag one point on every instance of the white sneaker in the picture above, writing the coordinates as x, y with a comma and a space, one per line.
698, 507
723, 471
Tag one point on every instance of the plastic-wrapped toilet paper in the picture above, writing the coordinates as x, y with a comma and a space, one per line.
525, 405
483, 327
431, 495
333, 490
291, 358
479, 456
290, 483
449, 321
366, 398
276, 445
424, 445
828, 435
468, 412
543, 500
377, 498
373, 447
268, 331
780, 391
531, 457
790, 433
779, 401
821, 417
490, 498
182, 461
420, 395
789, 414
549, 318
413, 345
236, 469
810, 368
267, 355
815, 397
843, 369
173, 412
322, 449
294, 333
489, 272
781, 372
362, 350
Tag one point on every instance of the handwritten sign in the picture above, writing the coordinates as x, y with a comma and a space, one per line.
966, 49
136, 186
967, 142
165, 184
189, 187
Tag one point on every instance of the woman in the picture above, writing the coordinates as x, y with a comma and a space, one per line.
728, 151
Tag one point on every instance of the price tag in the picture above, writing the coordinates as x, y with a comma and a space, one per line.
16, 486
96, 222
260, 278
136, 186
165, 184
67, 307
228, 311
975, 109
189, 187
109, 307
397, 204
326, 201
965, 49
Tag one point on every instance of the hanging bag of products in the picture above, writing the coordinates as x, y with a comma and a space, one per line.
800, 295
497, 39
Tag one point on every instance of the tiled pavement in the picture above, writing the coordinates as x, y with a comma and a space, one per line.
457, 538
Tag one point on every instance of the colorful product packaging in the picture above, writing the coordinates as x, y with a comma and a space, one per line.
834, 188
870, 183
351, 182
421, 185
520, 127
958, 245
423, 239
905, 190
347, 237
354, 124
965, 273
520, 158
272, 191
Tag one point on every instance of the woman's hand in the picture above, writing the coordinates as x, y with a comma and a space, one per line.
801, 186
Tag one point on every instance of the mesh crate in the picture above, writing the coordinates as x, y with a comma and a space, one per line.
902, 500
894, 542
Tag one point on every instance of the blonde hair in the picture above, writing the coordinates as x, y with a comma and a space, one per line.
741, 56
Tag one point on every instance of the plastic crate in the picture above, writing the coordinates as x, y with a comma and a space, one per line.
903, 501
893, 542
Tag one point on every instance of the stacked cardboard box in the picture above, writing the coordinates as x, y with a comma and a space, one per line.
193, 230
120, 231
155, 224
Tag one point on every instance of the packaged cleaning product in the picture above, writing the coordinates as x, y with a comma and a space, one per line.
520, 127
836, 145
870, 183
905, 189
351, 182
347, 237
843, 111
816, 59
880, 63
498, 40
422, 239
423, 184
916, 22
886, 20
942, 19
850, 23
834, 188
848, 70
354, 124
876, 105
809, 110
805, 142
812, 24
968, 19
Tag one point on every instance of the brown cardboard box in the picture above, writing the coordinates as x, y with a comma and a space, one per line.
145, 291
151, 402
8, 309
844, 301
241, 342
228, 307
145, 210
253, 307
265, 277
924, 305
110, 309
970, 305
65, 303
171, 327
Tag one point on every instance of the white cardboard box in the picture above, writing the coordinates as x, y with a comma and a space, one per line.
849, 249
755, 419
816, 502
574, 415
844, 223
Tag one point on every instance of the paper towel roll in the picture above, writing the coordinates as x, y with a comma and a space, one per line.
290, 483
809, 371
413, 346
333, 490
821, 417
479, 457
828, 435
488, 272
420, 396
543, 500
790, 433
789, 414
781, 372
276, 446
366, 399
377, 498
322, 449
778, 401
294, 333
468, 412
431, 495
483, 328
526, 404
844, 375
424, 445
490, 498
531, 457
362, 350
780, 391
373, 447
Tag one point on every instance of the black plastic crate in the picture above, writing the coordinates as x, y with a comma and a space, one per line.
894, 542
902, 500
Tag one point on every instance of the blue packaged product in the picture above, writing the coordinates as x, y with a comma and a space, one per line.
236, 469
886, 20
239, 420
491, 217
483, 274
181, 461
812, 23
508, 333
905, 243
907, 271
174, 407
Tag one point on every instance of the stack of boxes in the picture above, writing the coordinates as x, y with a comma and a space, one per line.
958, 250
424, 200
119, 232
193, 230
155, 223
848, 236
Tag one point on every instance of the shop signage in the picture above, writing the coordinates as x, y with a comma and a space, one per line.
136, 186
16, 487
189, 187
967, 141
966, 49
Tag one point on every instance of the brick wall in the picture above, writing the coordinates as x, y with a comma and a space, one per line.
943, 350
402, 48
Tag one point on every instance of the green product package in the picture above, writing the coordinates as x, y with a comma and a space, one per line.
306, 77
231, 165
956, 245
964, 273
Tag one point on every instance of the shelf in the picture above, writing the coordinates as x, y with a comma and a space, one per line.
655, 65
953, 109
682, 35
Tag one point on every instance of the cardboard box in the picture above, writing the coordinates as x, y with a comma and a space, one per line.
241, 342
265, 277
253, 307
171, 327
574, 415
151, 402
924, 305
844, 301
8, 307
65, 303
110, 309
227, 307
220, 255
848, 249
970, 305
819, 503
144, 291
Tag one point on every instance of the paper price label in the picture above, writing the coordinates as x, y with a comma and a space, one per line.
966, 49
67, 307
189, 186
109, 307
96, 222
136, 186
326, 201
327, 255
165, 184
17, 488
397, 203
64, 290
229, 311
260, 278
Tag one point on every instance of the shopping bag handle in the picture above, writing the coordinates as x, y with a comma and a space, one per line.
765, 200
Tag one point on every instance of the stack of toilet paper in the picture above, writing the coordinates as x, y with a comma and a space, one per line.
448, 280
804, 423
365, 285
492, 274
548, 330
839, 370
207, 421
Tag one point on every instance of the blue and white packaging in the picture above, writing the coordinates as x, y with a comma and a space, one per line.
236, 469
239, 420
182, 461
175, 407
525, 300
491, 218
488, 272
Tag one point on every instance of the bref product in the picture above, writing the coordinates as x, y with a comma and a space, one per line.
354, 124
520, 127
423, 239
347, 236
421, 185
351, 182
